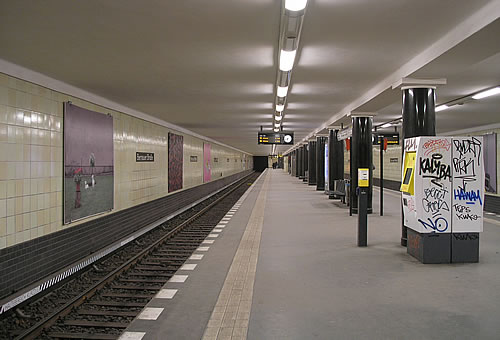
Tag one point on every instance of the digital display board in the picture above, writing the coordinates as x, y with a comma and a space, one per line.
392, 138
282, 137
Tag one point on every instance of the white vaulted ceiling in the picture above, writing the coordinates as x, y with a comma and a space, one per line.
211, 66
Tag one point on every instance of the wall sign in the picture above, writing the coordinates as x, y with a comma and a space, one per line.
394, 160
193, 158
144, 157
363, 177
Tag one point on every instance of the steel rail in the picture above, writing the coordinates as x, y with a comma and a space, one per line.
36, 329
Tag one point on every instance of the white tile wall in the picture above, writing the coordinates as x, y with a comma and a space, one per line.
31, 160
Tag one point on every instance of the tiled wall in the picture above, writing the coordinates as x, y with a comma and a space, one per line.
392, 171
31, 156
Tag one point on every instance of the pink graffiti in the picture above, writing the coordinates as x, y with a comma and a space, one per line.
434, 145
411, 205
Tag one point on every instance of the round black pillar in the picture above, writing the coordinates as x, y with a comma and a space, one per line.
312, 163
305, 163
299, 162
320, 162
335, 159
361, 157
419, 119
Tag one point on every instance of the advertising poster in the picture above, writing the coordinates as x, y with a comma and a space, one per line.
88, 163
490, 162
175, 161
207, 165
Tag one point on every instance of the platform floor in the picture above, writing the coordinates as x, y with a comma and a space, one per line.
298, 274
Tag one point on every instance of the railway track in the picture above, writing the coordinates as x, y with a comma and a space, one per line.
101, 302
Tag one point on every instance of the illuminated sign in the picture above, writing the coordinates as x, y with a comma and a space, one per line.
392, 138
282, 137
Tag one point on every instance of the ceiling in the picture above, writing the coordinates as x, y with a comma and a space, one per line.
211, 66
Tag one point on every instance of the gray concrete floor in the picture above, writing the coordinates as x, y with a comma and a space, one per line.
313, 282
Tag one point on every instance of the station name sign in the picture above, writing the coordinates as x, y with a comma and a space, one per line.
282, 137
144, 157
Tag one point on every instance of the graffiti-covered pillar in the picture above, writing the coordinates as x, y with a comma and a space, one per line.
419, 119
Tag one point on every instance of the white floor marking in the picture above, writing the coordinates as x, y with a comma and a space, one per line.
203, 248
188, 266
166, 294
178, 278
226, 218
132, 335
216, 230
196, 257
220, 226
213, 235
223, 222
230, 318
150, 313
208, 241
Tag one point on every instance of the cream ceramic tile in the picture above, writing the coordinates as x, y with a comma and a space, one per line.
3, 208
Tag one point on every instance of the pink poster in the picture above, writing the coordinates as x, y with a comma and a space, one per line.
207, 166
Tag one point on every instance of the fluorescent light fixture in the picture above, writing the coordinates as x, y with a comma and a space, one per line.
286, 60
487, 93
386, 125
279, 108
282, 91
277, 125
276, 130
278, 118
295, 5
441, 108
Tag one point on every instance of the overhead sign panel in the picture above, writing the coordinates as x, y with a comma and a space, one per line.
282, 137
344, 134
392, 138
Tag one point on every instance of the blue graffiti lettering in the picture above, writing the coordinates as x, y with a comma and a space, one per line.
471, 196
440, 224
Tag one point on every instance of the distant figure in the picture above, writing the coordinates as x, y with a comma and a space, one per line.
77, 177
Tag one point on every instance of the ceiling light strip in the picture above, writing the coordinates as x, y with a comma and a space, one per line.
291, 21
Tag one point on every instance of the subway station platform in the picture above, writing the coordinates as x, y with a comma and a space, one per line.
285, 265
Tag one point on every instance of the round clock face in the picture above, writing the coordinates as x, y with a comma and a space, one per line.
287, 138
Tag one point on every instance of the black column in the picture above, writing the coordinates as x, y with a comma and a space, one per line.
320, 163
312, 163
299, 162
294, 163
335, 159
305, 162
361, 157
419, 119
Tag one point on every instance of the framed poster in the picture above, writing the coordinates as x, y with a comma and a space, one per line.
88, 163
175, 161
207, 165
